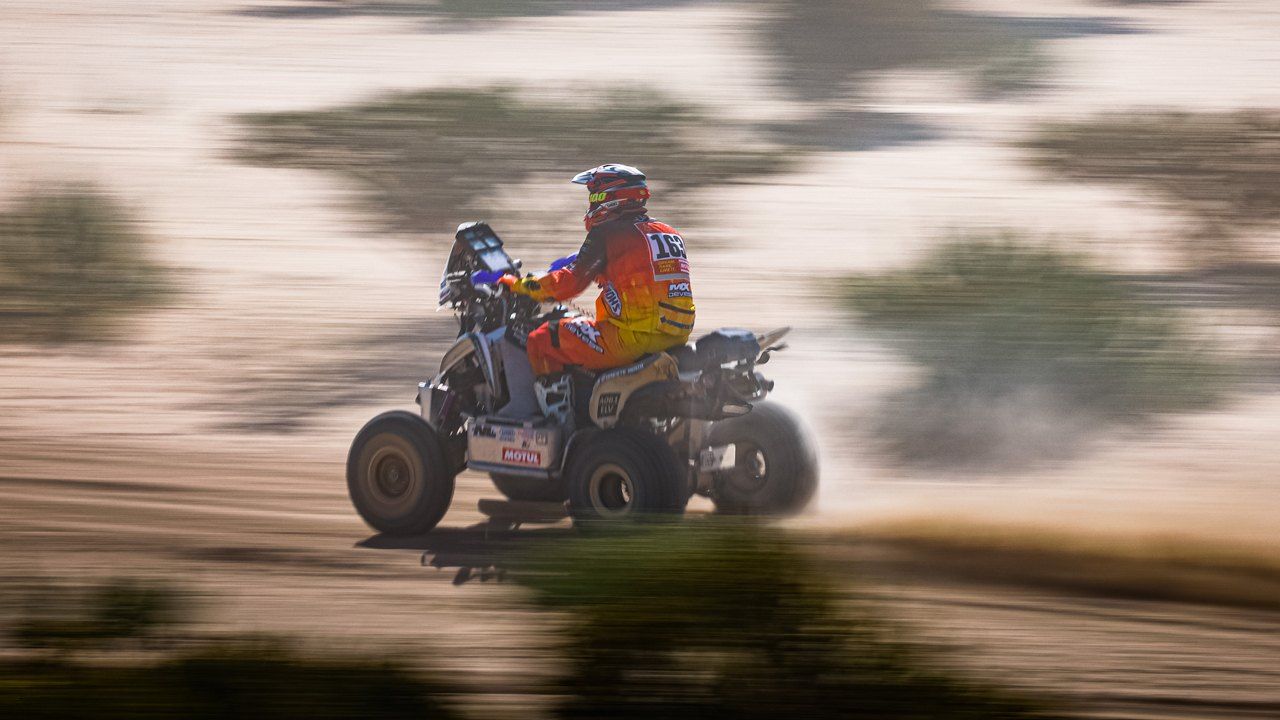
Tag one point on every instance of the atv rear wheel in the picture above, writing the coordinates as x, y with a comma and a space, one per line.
529, 489
398, 476
624, 474
776, 464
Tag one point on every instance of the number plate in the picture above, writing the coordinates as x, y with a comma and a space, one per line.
714, 459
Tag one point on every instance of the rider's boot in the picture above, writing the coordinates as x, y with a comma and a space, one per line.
555, 396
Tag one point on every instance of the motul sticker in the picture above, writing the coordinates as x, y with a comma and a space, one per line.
517, 456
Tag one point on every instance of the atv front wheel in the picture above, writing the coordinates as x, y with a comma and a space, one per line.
398, 476
776, 464
624, 474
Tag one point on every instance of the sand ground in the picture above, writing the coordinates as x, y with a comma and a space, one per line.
137, 457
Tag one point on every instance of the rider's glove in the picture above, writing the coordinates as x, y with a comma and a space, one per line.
485, 277
524, 286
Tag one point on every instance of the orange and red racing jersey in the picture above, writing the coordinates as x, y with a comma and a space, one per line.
642, 269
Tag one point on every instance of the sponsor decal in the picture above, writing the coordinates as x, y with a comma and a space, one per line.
679, 290
541, 438
613, 300
520, 456
608, 406
675, 269
586, 332
598, 197
624, 371
507, 435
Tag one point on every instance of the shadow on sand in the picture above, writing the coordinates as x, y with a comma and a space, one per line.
487, 550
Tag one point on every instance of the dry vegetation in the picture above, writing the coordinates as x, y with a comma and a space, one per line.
1222, 170
424, 160
73, 264
127, 649
1152, 566
827, 48
718, 620
714, 620
1026, 349
465, 10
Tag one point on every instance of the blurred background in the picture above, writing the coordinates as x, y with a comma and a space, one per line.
1029, 251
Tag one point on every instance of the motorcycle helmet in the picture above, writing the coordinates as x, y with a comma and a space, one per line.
614, 191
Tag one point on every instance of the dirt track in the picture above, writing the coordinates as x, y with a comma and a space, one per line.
157, 457
276, 545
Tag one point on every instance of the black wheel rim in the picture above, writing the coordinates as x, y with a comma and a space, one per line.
392, 476
752, 471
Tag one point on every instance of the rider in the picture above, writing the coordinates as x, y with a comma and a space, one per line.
646, 300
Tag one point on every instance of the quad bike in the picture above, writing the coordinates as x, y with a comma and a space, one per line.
631, 442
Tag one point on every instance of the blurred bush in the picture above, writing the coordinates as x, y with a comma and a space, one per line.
707, 620
827, 48
1026, 349
94, 673
713, 620
1223, 169
1017, 66
451, 9
528, 8
73, 262
66, 620
428, 160
230, 679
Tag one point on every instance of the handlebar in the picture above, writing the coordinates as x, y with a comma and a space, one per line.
486, 277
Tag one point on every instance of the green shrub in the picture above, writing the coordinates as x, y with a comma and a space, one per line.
426, 160
714, 620
828, 48
1025, 349
77, 664
1020, 66
535, 8
461, 10
73, 263
231, 679
117, 610
1222, 169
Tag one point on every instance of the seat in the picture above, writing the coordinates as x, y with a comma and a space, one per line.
686, 358
718, 347
726, 345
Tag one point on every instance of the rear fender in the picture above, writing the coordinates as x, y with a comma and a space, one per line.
576, 439
613, 390
771, 338
664, 399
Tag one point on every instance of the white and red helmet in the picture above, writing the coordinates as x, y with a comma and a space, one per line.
615, 190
